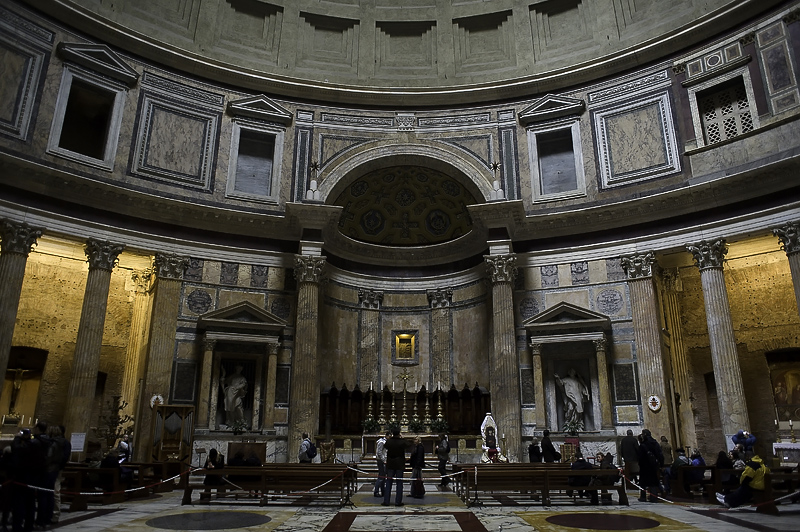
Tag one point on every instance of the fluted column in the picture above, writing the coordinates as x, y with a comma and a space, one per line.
441, 340
606, 421
727, 372
136, 351
685, 432
204, 393
18, 240
503, 359
169, 270
369, 372
540, 414
269, 396
102, 257
304, 394
647, 334
789, 235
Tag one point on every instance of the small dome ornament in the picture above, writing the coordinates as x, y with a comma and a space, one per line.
654, 403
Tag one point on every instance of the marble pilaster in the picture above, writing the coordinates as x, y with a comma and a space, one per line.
441, 339
169, 269
647, 334
789, 235
271, 386
304, 386
204, 393
606, 420
136, 350
503, 359
727, 372
369, 373
102, 257
538, 386
17, 241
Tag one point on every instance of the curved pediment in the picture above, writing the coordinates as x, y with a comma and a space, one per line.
567, 317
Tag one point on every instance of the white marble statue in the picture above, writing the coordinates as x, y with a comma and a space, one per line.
234, 388
575, 394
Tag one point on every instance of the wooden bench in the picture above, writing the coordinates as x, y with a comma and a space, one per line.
293, 482
533, 479
80, 481
681, 487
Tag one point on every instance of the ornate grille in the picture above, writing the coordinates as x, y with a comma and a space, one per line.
725, 111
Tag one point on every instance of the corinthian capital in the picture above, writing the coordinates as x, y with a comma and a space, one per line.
638, 266
18, 237
308, 269
440, 298
370, 299
708, 254
502, 268
102, 255
789, 235
170, 266
142, 280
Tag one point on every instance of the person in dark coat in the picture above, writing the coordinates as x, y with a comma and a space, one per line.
549, 452
417, 462
395, 464
580, 464
534, 452
651, 460
629, 449
213, 461
443, 454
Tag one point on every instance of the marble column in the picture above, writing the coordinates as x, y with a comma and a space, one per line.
304, 392
647, 334
685, 433
441, 340
725, 359
18, 240
600, 347
540, 414
369, 334
102, 257
169, 270
789, 235
272, 383
503, 359
204, 393
136, 350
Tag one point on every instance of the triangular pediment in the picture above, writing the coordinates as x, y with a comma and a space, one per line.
567, 317
262, 108
100, 58
550, 107
244, 316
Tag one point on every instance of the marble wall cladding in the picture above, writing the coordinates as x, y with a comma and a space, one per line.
549, 276
406, 48
21, 67
579, 298
480, 147
330, 146
779, 70
614, 269
194, 270
229, 273
328, 44
184, 379
579, 272
627, 415
526, 383
229, 297
198, 300
212, 271
337, 357
484, 43
624, 377
259, 276
281, 306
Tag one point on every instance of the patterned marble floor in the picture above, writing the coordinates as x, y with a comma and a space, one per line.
437, 512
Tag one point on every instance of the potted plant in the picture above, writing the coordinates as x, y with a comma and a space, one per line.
370, 425
239, 427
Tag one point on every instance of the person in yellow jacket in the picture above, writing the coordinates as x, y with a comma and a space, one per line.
752, 479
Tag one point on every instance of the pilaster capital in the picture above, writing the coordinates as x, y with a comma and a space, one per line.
170, 266
102, 255
308, 269
640, 265
502, 268
18, 237
440, 297
708, 255
789, 235
209, 345
370, 299
142, 280
601, 344
671, 280
536, 348
272, 348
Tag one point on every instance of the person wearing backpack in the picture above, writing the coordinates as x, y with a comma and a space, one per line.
307, 450
443, 454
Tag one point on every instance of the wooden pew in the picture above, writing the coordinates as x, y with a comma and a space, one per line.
681, 487
292, 481
81, 480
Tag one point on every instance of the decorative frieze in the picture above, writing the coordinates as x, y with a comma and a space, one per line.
708, 254
502, 268
638, 266
440, 298
102, 255
18, 237
308, 269
170, 266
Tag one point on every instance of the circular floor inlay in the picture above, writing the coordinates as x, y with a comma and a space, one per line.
595, 521
208, 520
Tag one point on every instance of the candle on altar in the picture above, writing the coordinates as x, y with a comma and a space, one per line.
790, 423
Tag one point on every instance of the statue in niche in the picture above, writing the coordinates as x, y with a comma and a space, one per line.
234, 389
491, 450
19, 375
575, 394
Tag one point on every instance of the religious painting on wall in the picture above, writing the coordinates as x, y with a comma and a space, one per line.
786, 390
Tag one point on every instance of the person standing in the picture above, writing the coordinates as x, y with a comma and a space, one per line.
549, 452
666, 450
650, 463
305, 446
395, 464
380, 454
443, 454
417, 462
66, 453
534, 452
629, 449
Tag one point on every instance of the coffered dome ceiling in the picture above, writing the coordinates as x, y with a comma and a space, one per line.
405, 206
